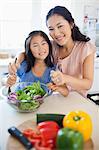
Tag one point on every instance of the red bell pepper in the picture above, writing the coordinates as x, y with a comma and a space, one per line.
48, 124
44, 138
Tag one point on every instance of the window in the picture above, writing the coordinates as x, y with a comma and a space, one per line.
19, 17
15, 24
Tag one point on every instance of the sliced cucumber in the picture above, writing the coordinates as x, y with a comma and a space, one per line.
50, 117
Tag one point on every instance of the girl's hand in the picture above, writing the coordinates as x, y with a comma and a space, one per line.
11, 80
61, 89
57, 77
12, 68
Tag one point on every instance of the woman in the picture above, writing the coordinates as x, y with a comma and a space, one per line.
72, 52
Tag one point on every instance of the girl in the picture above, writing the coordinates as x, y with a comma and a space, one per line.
38, 62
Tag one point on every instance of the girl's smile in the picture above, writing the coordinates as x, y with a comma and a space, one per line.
39, 47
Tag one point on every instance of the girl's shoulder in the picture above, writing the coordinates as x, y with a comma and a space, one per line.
22, 69
51, 68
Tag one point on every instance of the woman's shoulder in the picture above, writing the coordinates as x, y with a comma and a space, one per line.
89, 45
84, 49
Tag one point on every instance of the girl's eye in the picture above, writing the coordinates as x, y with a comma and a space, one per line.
44, 43
35, 45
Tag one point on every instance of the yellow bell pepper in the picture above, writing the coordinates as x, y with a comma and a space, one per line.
80, 121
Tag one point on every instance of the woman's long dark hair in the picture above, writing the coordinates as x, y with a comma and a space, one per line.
62, 11
29, 56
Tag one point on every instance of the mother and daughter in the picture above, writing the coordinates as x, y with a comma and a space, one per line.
70, 51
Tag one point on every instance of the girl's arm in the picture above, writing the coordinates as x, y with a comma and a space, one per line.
11, 80
12, 68
75, 83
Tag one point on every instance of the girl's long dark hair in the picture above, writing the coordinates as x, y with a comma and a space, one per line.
62, 11
29, 56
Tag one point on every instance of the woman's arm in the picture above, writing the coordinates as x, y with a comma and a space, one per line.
77, 84
62, 89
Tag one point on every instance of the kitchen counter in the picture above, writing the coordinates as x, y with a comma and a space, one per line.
55, 103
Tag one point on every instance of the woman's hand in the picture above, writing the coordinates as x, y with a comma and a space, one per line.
57, 77
61, 89
11, 80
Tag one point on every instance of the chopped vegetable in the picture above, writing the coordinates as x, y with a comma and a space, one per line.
27, 98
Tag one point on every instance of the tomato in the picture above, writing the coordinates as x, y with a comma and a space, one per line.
79, 121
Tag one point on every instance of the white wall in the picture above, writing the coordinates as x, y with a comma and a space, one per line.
77, 9
36, 17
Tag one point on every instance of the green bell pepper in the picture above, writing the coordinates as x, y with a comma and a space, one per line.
69, 139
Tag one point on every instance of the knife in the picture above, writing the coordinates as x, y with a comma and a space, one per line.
19, 135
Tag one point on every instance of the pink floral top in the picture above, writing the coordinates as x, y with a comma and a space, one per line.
73, 64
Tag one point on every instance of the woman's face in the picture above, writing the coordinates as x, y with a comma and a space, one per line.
39, 47
59, 29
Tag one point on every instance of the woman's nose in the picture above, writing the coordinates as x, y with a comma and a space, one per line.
56, 32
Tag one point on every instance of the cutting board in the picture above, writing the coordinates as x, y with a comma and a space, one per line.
14, 144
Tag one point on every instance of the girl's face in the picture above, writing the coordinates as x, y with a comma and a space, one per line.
59, 29
39, 47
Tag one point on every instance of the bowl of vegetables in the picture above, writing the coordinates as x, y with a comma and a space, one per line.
27, 96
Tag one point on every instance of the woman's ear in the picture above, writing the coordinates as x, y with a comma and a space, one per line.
71, 25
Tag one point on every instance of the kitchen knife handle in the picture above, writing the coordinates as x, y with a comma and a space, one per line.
18, 134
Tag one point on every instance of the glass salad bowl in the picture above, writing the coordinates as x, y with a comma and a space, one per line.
26, 96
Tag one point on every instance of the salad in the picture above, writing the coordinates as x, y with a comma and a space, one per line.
29, 97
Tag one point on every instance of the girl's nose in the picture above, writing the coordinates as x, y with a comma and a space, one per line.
40, 47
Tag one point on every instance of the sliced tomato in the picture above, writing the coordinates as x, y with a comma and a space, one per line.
40, 147
35, 135
27, 132
34, 141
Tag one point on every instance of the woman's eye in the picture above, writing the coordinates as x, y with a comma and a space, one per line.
60, 26
51, 29
44, 43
